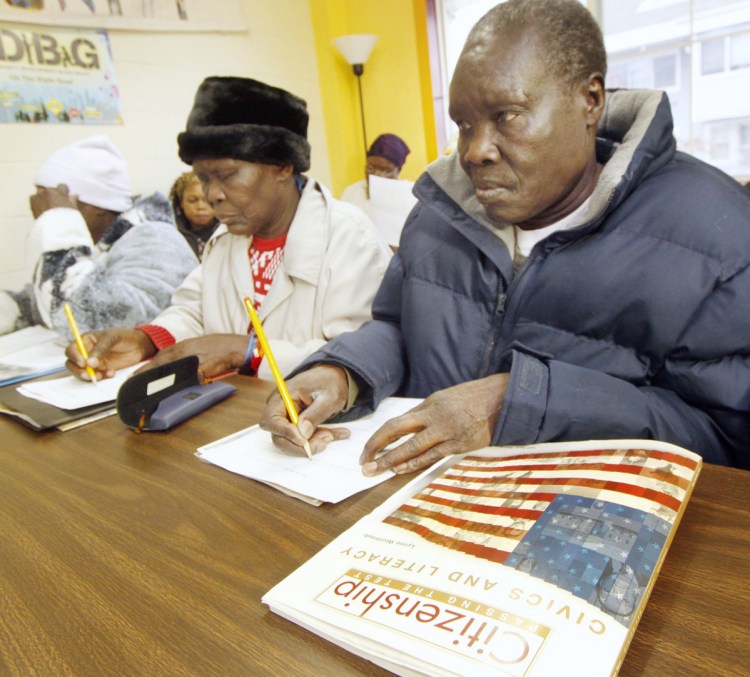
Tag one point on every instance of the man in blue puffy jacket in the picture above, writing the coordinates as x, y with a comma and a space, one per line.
566, 275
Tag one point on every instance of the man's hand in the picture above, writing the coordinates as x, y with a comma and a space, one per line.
50, 198
109, 350
217, 353
318, 393
451, 421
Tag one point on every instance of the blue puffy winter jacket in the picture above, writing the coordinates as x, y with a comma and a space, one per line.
634, 324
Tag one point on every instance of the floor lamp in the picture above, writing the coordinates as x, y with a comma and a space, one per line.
356, 49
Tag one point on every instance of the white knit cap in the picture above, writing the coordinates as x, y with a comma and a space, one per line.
94, 170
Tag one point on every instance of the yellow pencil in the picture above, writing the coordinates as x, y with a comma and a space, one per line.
277, 377
79, 341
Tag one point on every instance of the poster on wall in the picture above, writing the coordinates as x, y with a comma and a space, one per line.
163, 15
57, 76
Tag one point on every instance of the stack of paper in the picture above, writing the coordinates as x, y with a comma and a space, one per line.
70, 392
330, 476
29, 353
64, 403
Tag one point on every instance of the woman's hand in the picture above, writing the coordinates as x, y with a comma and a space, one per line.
109, 350
217, 354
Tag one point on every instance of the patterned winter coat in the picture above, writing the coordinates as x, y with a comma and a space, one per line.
123, 280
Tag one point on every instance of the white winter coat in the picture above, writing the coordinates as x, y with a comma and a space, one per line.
334, 260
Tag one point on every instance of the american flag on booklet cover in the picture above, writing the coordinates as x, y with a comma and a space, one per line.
574, 519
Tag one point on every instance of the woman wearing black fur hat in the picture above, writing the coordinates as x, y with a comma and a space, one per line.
311, 264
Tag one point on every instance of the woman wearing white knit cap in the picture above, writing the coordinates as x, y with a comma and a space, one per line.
115, 261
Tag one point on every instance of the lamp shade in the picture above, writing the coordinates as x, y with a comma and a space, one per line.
356, 49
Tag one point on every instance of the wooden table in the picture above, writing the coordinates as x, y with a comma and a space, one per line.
123, 554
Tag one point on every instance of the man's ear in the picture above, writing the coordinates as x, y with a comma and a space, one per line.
595, 98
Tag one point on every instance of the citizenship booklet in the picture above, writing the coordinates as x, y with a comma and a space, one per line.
533, 560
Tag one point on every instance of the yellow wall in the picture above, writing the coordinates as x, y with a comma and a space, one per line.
395, 84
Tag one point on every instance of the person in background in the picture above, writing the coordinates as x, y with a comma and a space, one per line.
567, 274
385, 158
194, 217
310, 264
115, 261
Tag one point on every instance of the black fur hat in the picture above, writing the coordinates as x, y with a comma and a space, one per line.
247, 120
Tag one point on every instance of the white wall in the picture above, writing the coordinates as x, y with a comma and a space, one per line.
158, 74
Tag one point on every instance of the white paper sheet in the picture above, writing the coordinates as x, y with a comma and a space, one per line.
25, 338
391, 201
70, 392
30, 352
330, 476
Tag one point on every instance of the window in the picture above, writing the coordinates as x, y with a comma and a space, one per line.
720, 141
665, 71
744, 142
712, 56
739, 56
653, 72
706, 81
697, 51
